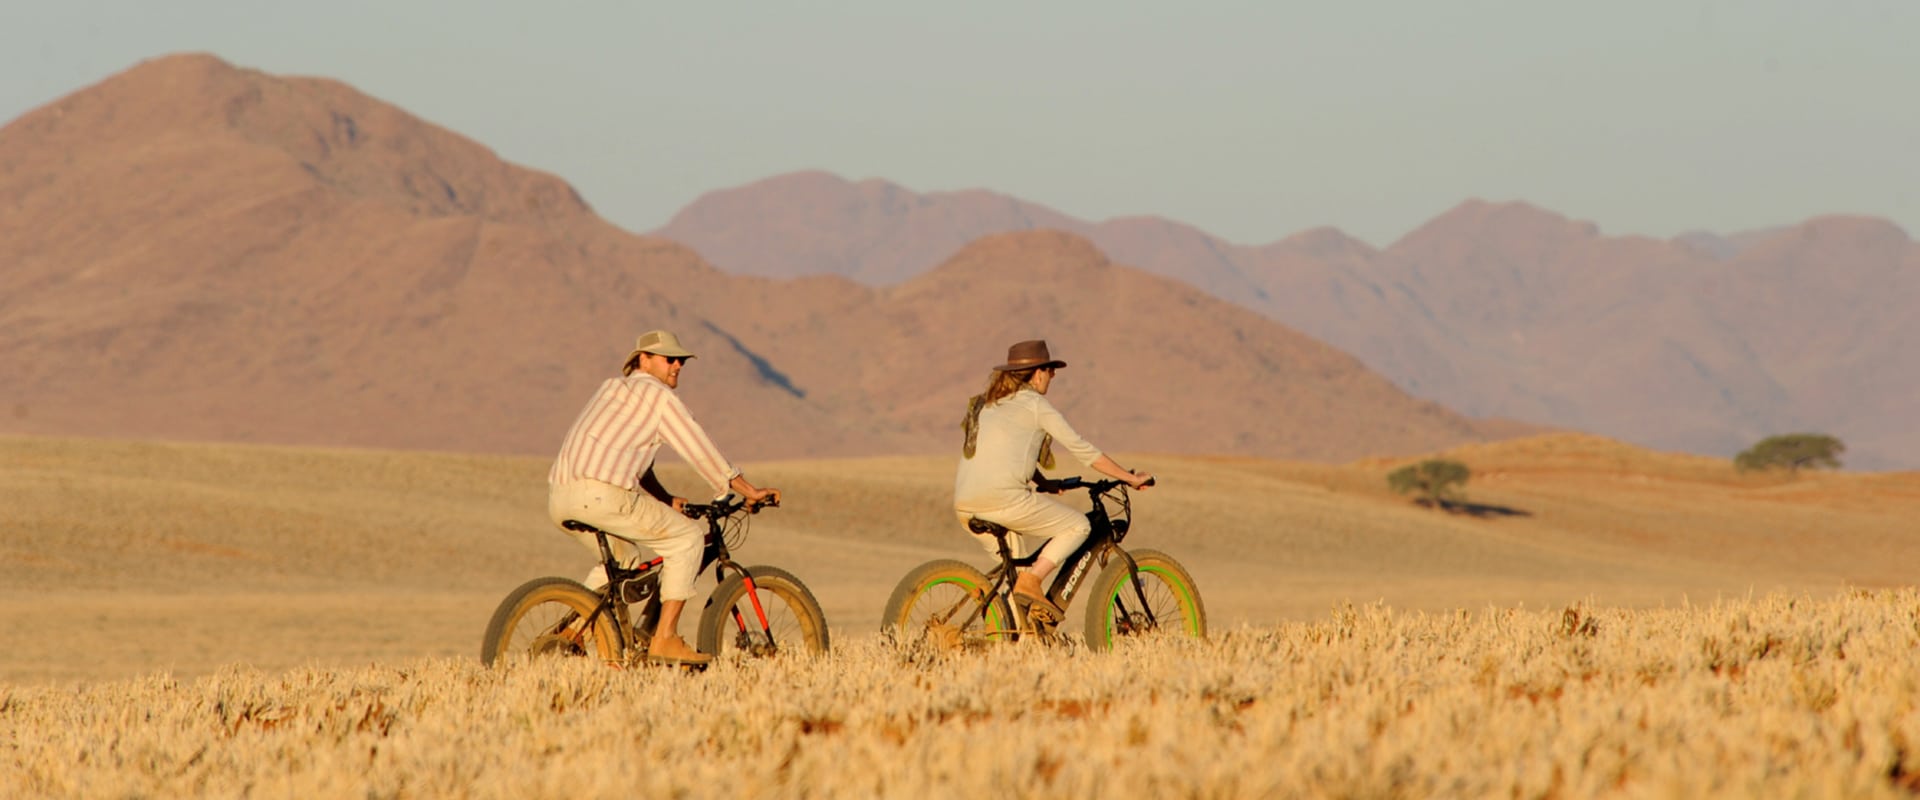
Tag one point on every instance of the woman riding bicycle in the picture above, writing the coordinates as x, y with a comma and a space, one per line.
1010, 429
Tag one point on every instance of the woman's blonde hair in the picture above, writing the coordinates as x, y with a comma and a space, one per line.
1001, 385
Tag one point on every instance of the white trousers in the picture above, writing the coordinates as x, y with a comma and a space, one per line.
1033, 518
635, 515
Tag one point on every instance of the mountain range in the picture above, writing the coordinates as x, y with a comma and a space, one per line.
194, 250
1701, 343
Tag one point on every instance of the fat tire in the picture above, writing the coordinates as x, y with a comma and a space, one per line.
906, 613
717, 630
506, 633
1168, 586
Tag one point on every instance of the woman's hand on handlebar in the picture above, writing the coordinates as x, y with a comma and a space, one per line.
1112, 469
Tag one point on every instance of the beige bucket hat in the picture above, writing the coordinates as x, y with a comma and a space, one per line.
659, 343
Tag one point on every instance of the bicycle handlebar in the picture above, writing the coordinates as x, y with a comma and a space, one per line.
725, 507
1096, 487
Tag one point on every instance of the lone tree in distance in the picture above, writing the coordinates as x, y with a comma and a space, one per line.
1792, 452
1437, 482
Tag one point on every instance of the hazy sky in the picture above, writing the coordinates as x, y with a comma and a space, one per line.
1249, 120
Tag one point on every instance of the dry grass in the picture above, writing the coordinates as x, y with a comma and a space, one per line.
244, 621
1776, 697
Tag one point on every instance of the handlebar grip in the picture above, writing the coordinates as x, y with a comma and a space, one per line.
1149, 482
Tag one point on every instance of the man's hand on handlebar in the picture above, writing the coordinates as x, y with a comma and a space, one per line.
762, 498
756, 497
1141, 480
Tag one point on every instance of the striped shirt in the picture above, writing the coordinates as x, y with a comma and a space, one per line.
617, 436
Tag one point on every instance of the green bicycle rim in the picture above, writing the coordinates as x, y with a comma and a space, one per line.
992, 616
1180, 589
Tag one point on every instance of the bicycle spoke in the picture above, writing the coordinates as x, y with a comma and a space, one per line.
551, 617
762, 616
1155, 596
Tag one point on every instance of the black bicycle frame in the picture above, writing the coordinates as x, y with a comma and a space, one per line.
714, 554
1102, 541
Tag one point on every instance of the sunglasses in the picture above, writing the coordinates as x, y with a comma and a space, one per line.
675, 360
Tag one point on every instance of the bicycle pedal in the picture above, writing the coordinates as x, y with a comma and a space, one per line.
1038, 610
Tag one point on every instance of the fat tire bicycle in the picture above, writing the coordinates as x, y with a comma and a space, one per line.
950, 604
756, 612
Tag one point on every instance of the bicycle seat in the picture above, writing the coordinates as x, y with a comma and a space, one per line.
577, 525
978, 525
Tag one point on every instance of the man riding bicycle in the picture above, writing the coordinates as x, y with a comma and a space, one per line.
1009, 430
604, 478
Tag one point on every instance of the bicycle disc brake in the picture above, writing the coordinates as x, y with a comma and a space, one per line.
756, 643
944, 636
1132, 623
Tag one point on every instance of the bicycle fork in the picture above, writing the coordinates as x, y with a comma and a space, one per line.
1139, 593
759, 611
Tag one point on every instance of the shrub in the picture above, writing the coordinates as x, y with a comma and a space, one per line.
1436, 482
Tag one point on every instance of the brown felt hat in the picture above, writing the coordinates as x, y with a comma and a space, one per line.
1030, 354
659, 343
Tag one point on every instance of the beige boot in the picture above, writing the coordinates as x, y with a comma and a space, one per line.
1027, 589
674, 651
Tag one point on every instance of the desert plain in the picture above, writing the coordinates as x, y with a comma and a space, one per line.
180, 558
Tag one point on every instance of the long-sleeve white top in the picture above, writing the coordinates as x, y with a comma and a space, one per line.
1007, 449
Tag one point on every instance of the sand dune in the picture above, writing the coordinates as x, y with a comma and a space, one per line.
184, 557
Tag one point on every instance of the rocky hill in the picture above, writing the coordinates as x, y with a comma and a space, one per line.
192, 250
1703, 343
